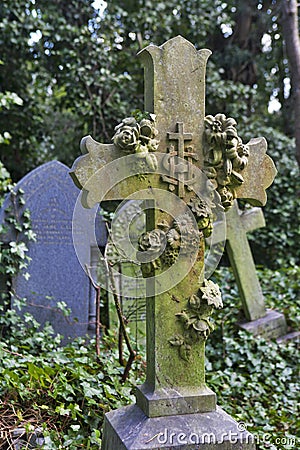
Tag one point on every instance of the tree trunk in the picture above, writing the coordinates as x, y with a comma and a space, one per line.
292, 45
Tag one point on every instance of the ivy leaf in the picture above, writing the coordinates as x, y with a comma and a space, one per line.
89, 391
177, 340
18, 248
202, 327
62, 411
183, 316
191, 321
185, 352
195, 302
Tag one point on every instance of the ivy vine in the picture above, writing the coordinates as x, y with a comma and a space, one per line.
165, 242
195, 318
16, 223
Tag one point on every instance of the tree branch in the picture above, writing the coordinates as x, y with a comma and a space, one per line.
292, 45
132, 353
98, 295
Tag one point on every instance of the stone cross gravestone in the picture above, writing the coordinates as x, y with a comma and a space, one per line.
260, 321
55, 272
184, 166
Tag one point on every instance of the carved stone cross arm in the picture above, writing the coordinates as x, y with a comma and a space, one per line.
258, 175
180, 139
169, 149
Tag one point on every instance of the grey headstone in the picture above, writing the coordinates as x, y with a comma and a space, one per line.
56, 274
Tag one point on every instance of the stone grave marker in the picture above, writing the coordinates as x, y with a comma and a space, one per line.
55, 272
183, 165
268, 323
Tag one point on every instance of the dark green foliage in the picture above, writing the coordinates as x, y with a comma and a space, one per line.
257, 380
63, 62
66, 391
13, 255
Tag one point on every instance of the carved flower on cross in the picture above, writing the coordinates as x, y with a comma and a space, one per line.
194, 318
168, 240
184, 224
184, 235
211, 293
173, 238
138, 138
220, 133
127, 134
225, 156
148, 132
153, 241
203, 213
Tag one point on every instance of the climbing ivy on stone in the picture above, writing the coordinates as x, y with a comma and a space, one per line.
13, 250
166, 242
195, 318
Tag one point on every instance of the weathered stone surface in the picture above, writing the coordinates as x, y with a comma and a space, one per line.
271, 326
241, 260
293, 336
181, 400
130, 429
55, 272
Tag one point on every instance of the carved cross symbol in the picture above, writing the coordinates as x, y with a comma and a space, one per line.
184, 170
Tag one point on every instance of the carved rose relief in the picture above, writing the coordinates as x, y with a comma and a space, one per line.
195, 320
139, 138
225, 156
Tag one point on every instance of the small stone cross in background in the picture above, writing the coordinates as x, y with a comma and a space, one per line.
238, 223
260, 321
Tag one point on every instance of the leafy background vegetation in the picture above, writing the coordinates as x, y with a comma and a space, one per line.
68, 69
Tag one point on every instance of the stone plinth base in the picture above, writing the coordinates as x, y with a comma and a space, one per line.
293, 336
169, 402
129, 428
271, 326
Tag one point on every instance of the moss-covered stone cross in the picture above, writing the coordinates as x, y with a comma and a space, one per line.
185, 165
